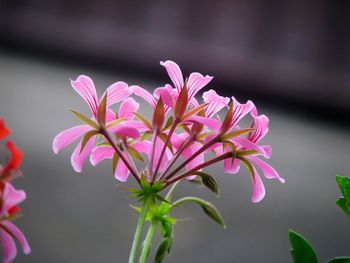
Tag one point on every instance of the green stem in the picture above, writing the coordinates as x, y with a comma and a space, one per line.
139, 229
148, 242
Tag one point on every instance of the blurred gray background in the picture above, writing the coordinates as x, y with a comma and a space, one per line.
290, 57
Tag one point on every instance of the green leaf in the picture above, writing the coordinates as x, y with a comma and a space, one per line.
146, 135
208, 208
101, 113
163, 137
144, 120
86, 119
169, 122
194, 111
86, 138
225, 126
115, 161
344, 202
340, 260
302, 251
115, 122
209, 182
248, 165
235, 134
135, 154
162, 250
341, 202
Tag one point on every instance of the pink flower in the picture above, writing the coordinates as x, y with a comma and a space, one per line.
251, 143
8, 231
85, 87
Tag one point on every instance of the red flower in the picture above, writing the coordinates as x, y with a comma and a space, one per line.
16, 158
4, 131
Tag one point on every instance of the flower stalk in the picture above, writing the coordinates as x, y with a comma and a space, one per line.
139, 229
148, 241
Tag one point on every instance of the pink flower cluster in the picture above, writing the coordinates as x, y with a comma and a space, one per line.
181, 127
10, 198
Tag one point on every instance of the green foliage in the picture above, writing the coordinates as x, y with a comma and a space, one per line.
302, 251
209, 182
340, 260
344, 201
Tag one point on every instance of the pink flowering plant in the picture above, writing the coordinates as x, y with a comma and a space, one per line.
183, 137
10, 198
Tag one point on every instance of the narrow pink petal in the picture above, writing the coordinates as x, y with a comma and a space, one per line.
167, 94
268, 150
178, 139
211, 123
245, 143
240, 110
85, 87
125, 129
157, 151
121, 171
269, 172
258, 188
144, 94
196, 82
142, 147
68, 136
231, 166
18, 235
174, 73
189, 152
100, 153
11, 197
261, 126
127, 108
8, 246
110, 115
77, 158
117, 92
216, 102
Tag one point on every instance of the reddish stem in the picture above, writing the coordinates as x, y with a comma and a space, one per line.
121, 155
198, 167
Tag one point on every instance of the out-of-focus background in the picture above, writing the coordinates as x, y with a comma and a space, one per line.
290, 57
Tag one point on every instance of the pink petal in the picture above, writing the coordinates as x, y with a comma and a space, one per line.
77, 158
157, 151
269, 172
211, 123
144, 94
258, 188
261, 128
85, 87
245, 143
189, 152
268, 150
196, 82
110, 115
127, 108
68, 136
125, 129
11, 197
117, 92
100, 153
142, 147
121, 172
8, 246
216, 102
240, 110
174, 73
231, 166
18, 235
167, 94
